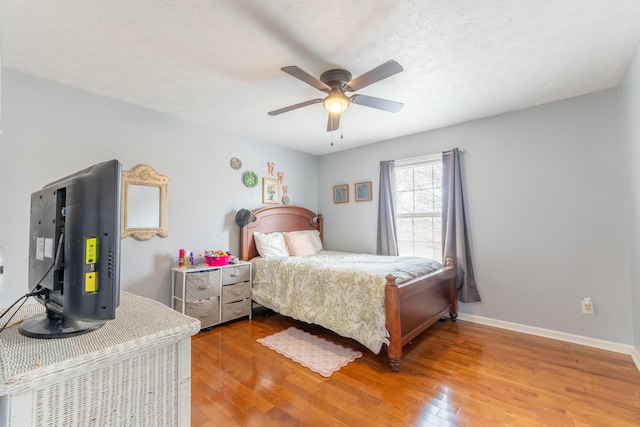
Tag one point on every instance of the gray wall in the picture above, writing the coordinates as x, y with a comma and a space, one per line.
629, 92
545, 194
546, 210
50, 131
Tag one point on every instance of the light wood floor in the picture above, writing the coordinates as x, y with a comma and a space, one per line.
455, 374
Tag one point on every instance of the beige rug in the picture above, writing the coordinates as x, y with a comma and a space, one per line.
315, 353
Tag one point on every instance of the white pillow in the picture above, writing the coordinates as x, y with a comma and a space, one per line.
314, 237
270, 245
299, 244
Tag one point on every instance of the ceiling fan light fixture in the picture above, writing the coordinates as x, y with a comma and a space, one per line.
336, 83
336, 103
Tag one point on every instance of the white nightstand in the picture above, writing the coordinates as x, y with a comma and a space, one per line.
212, 294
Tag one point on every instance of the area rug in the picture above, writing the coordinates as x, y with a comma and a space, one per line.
315, 353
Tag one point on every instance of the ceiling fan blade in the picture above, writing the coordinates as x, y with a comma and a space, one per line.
381, 72
294, 107
306, 77
379, 103
334, 122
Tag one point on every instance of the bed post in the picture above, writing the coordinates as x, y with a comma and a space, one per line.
392, 310
453, 290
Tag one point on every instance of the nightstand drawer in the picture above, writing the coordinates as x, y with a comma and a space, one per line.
205, 310
200, 285
235, 274
235, 310
236, 292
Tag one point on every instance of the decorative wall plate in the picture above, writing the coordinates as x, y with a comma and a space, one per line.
250, 179
235, 163
285, 200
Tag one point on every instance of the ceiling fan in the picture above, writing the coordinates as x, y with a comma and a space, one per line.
336, 83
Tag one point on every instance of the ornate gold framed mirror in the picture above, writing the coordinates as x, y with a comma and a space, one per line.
144, 203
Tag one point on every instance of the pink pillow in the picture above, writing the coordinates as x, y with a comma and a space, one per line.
314, 237
299, 244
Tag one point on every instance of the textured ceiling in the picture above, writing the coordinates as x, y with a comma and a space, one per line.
218, 62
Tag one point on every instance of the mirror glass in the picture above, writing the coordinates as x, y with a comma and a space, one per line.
144, 203
143, 207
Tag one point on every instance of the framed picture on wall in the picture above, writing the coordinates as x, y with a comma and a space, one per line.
341, 193
270, 191
362, 191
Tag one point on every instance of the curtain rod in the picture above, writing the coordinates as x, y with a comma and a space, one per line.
422, 159
435, 157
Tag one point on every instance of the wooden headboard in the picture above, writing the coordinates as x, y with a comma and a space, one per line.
276, 218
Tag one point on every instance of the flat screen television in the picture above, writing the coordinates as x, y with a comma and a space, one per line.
74, 252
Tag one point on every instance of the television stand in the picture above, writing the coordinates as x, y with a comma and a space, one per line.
51, 325
134, 370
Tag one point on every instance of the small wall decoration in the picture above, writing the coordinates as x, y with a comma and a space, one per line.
362, 191
285, 198
250, 179
270, 168
235, 163
270, 191
341, 193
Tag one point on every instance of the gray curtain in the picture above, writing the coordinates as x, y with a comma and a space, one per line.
454, 227
387, 240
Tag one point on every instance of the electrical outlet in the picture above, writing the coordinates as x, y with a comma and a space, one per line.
587, 306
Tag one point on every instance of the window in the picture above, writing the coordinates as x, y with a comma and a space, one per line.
419, 206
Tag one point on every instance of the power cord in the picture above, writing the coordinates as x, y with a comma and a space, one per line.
24, 299
34, 293
57, 262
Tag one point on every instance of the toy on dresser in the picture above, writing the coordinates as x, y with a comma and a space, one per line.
217, 257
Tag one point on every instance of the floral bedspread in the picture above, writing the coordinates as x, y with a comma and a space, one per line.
341, 291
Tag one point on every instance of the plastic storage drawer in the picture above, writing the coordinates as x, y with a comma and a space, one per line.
237, 292
235, 274
200, 285
205, 310
235, 310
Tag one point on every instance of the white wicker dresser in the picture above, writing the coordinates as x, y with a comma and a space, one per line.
133, 371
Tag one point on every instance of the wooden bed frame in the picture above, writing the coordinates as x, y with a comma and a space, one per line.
411, 307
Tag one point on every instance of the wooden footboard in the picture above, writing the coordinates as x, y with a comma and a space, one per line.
413, 306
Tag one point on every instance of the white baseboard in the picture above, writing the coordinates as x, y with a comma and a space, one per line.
562, 336
635, 355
